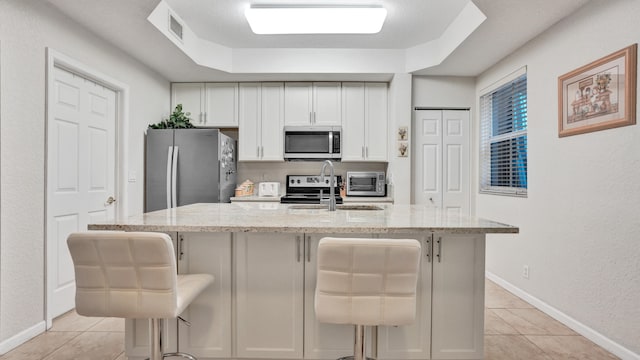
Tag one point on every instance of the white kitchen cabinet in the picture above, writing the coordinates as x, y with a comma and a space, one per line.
192, 98
313, 104
209, 335
364, 110
261, 121
221, 108
411, 341
210, 104
269, 303
457, 323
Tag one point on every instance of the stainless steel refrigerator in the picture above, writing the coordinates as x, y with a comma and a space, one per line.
187, 166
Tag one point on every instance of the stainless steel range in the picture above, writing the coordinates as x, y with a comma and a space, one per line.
305, 189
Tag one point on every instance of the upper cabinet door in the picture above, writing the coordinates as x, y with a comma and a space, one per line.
221, 105
353, 127
376, 121
261, 122
250, 118
365, 126
327, 104
271, 128
191, 96
298, 103
312, 104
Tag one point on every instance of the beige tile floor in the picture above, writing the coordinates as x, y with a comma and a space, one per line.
514, 330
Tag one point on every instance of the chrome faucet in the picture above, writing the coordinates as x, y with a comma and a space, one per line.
332, 179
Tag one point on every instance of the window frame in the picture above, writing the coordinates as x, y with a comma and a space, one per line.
518, 133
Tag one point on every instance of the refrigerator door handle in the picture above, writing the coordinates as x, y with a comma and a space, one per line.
169, 156
174, 176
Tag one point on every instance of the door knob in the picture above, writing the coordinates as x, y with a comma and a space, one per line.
111, 200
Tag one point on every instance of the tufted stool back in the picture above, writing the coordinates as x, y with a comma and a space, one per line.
367, 281
124, 274
132, 275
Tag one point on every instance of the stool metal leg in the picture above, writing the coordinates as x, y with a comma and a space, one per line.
156, 339
359, 346
156, 343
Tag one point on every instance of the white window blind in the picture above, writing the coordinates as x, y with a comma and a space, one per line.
503, 137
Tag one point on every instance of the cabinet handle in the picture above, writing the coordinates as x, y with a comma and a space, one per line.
308, 248
201, 116
205, 117
366, 151
298, 247
438, 255
428, 248
261, 151
310, 117
363, 152
314, 117
180, 247
257, 151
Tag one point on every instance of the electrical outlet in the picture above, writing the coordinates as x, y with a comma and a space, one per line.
525, 271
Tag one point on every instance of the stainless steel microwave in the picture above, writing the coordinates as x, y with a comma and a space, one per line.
366, 183
312, 142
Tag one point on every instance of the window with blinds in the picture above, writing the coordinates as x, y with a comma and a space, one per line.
503, 137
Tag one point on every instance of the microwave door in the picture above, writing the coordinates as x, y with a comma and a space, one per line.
307, 145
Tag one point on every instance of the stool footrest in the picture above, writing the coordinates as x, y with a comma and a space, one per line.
179, 354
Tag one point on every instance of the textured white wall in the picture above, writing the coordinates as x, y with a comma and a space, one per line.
399, 170
579, 224
27, 27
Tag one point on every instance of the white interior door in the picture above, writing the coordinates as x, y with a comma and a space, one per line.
427, 185
80, 173
442, 160
455, 162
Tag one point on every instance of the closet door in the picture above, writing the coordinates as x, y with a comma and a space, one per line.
442, 160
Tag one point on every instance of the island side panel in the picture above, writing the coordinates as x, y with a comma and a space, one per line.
458, 296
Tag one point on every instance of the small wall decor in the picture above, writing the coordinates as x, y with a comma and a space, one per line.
403, 149
403, 133
600, 95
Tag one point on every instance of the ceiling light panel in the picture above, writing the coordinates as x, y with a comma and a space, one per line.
279, 19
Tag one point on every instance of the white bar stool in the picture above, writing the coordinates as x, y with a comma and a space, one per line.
366, 282
132, 275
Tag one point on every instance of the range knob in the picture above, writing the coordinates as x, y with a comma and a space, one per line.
326, 181
293, 181
298, 181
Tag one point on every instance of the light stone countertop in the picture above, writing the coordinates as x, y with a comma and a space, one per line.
276, 217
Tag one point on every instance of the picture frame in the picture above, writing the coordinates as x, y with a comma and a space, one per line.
403, 133
403, 149
600, 95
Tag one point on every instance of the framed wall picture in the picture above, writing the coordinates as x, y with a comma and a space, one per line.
600, 95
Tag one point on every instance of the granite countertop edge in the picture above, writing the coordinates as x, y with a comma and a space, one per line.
281, 218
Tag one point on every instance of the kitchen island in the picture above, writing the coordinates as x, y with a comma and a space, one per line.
263, 258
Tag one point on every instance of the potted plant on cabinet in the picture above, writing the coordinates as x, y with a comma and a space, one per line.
177, 120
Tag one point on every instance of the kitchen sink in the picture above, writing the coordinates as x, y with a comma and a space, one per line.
338, 207
358, 207
308, 206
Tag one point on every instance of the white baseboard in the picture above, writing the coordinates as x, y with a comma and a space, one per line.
589, 333
22, 337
